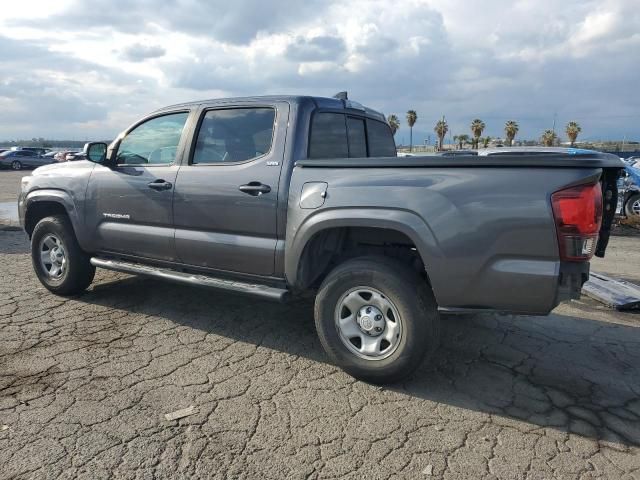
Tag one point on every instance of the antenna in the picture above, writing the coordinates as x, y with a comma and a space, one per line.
341, 95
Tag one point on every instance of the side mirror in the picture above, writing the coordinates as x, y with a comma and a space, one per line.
95, 151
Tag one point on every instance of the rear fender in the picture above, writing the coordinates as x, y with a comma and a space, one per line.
402, 221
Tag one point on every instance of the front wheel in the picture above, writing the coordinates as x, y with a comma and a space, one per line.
376, 319
59, 262
632, 207
16, 165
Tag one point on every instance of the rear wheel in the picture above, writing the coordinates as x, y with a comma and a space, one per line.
632, 207
376, 319
59, 262
16, 165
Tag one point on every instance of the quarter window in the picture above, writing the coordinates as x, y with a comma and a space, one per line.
328, 136
153, 142
234, 135
381, 142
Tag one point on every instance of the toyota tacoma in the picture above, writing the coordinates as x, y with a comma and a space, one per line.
295, 195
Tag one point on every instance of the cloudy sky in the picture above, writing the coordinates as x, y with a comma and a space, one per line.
87, 68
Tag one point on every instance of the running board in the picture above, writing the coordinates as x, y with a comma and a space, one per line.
271, 293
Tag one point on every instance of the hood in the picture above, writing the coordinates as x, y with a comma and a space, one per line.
63, 168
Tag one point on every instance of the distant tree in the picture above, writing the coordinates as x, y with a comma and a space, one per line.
461, 139
412, 118
477, 127
572, 130
511, 128
548, 137
441, 130
394, 123
485, 141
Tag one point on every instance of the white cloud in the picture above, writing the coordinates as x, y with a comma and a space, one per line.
524, 60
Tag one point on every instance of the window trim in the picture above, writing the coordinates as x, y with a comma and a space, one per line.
203, 114
366, 134
114, 154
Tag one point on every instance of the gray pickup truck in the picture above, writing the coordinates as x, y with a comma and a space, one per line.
291, 195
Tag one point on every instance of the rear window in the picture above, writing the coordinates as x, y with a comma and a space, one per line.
328, 136
334, 136
381, 142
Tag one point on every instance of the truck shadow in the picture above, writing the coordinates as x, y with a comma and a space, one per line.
570, 374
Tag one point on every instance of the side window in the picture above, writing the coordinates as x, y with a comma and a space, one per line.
328, 136
234, 135
357, 138
381, 142
153, 142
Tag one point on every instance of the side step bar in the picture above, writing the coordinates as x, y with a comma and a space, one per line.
270, 293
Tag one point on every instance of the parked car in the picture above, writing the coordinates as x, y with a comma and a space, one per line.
19, 159
538, 150
456, 153
629, 191
71, 156
220, 194
37, 150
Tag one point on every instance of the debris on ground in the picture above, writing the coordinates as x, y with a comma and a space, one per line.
428, 470
185, 412
612, 292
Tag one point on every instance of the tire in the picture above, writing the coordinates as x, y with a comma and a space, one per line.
632, 207
16, 165
397, 291
53, 238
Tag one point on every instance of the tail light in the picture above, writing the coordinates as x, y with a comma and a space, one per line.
578, 215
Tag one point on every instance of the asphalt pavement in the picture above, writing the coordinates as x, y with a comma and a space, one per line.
85, 383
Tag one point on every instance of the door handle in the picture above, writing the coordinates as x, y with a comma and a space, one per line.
255, 188
160, 184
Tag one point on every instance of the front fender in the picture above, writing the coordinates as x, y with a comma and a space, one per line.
52, 196
403, 221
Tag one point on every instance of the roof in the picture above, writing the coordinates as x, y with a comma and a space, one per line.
320, 102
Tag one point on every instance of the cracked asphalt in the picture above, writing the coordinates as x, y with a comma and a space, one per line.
85, 383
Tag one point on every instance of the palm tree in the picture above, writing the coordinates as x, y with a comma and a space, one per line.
572, 130
441, 130
461, 139
510, 129
412, 118
477, 127
548, 137
394, 123
485, 141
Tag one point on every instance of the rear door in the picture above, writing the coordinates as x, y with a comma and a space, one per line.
27, 158
130, 203
227, 192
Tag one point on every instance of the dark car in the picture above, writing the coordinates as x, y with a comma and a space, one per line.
457, 153
19, 159
37, 150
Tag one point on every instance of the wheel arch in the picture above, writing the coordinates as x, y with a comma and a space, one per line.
43, 203
324, 231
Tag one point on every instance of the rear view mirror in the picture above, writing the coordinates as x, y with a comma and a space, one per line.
96, 151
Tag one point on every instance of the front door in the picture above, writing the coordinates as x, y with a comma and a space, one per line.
226, 194
130, 202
